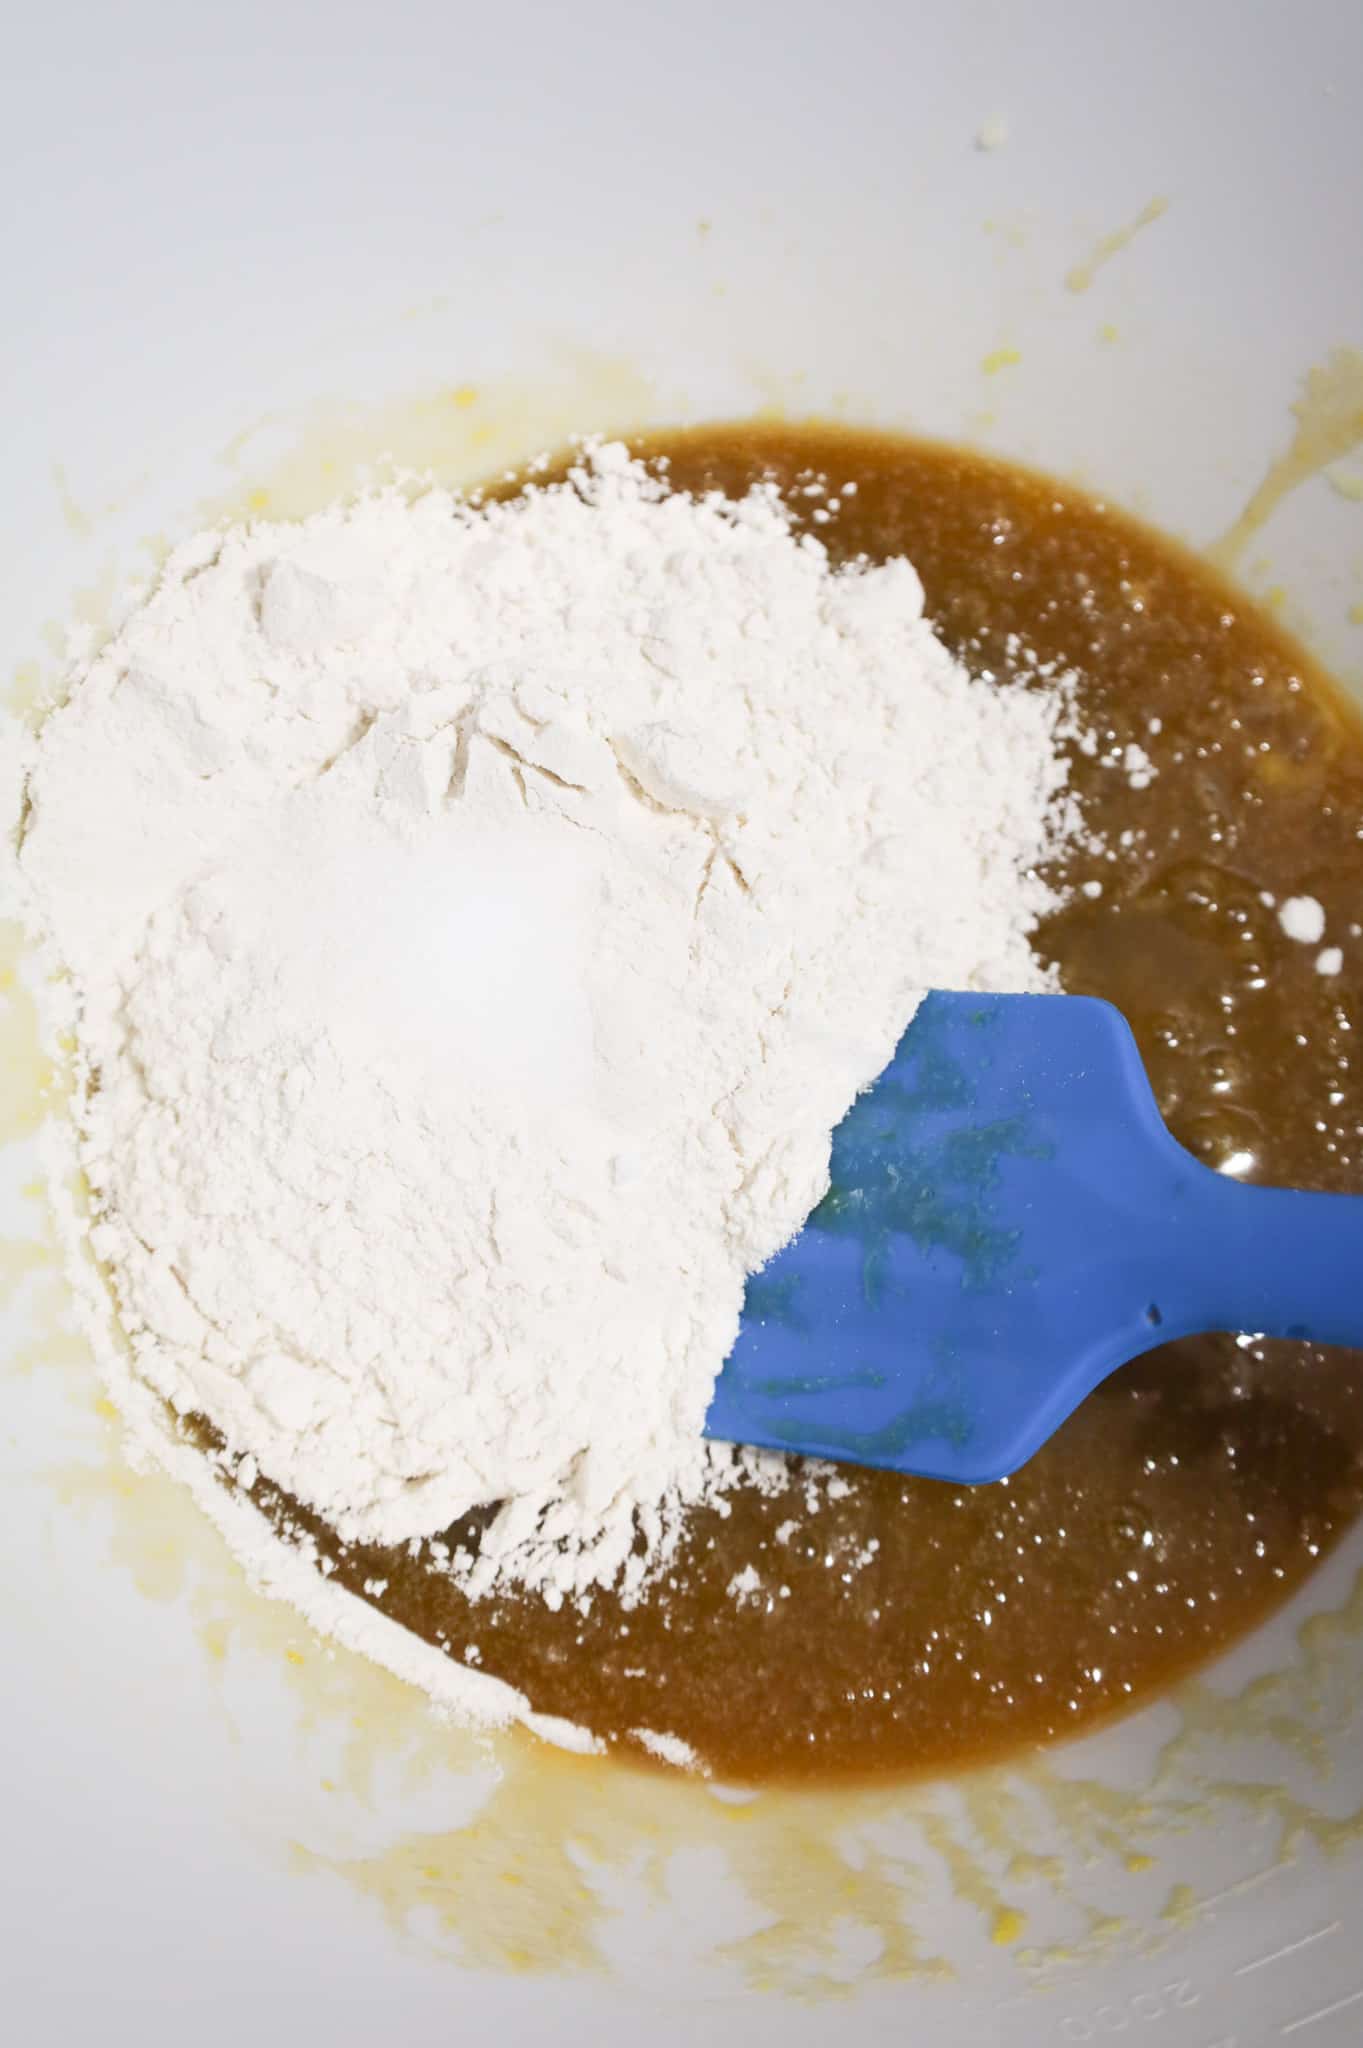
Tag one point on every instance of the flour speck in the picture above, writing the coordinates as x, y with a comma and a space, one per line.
1303, 919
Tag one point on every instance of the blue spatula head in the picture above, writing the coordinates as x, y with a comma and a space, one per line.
1009, 1220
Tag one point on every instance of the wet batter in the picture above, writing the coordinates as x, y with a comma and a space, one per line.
907, 1626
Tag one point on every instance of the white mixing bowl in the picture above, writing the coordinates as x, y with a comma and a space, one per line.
456, 231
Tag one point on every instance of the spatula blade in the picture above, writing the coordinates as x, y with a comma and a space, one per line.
984, 1255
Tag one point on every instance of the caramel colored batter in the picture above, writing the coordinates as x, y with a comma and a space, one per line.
909, 1626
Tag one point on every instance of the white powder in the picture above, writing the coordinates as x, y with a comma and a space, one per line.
479, 921
1303, 919
1139, 769
1330, 960
669, 1749
745, 1587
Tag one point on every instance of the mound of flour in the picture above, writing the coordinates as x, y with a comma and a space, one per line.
480, 918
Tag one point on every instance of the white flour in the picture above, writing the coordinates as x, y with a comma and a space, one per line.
480, 919
1303, 919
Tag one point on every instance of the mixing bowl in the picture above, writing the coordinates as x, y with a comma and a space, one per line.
257, 249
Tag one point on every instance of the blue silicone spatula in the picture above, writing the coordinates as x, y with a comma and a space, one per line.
1008, 1221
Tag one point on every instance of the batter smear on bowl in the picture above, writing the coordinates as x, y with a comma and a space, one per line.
480, 916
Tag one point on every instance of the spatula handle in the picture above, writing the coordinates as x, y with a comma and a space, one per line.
1276, 1261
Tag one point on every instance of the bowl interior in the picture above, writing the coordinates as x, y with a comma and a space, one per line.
259, 250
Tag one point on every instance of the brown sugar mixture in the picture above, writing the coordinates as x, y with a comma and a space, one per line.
903, 1625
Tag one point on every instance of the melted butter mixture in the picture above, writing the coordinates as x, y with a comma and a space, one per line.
907, 1626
